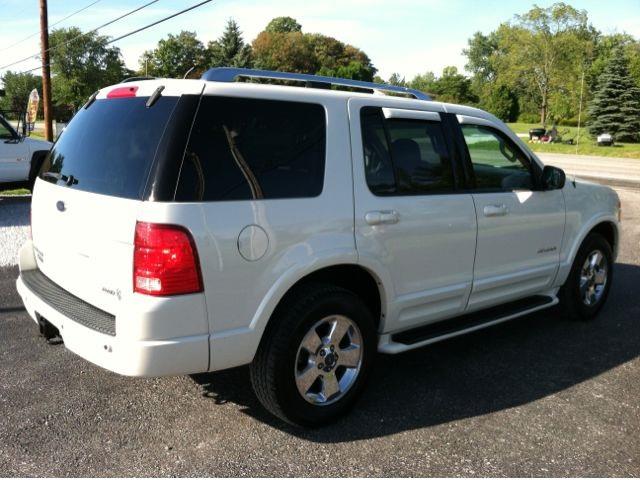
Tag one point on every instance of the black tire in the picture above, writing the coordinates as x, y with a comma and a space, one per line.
36, 163
571, 300
272, 370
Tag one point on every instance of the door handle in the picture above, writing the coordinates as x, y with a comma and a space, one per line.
495, 210
382, 217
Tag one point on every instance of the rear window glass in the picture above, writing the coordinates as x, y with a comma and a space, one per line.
109, 147
242, 149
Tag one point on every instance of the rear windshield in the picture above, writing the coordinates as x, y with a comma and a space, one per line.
109, 147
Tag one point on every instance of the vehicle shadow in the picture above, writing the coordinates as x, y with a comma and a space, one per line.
14, 211
501, 367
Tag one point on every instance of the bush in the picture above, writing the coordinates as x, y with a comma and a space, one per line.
529, 118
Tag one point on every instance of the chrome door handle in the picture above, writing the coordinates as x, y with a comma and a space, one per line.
382, 217
495, 210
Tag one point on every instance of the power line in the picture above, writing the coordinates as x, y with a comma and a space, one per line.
81, 35
133, 32
158, 22
52, 25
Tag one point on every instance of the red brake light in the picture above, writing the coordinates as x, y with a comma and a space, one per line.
122, 92
165, 261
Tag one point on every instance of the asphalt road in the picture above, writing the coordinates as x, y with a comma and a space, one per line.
621, 172
539, 396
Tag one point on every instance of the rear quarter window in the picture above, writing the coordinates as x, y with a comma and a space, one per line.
109, 147
251, 149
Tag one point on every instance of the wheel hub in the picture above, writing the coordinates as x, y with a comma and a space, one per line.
593, 278
328, 360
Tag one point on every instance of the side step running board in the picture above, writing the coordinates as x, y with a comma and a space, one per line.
433, 332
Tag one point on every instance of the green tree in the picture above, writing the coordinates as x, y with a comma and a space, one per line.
17, 88
82, 64
502, 102
287, 52
230, 50
545, 52
174, 56
453, 87
615, 107
480, 54
425, 82
283, 25
397, 80
283, 46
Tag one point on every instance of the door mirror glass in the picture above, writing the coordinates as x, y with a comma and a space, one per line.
553, 178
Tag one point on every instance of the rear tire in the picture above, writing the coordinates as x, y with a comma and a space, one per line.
315, 356
587, 287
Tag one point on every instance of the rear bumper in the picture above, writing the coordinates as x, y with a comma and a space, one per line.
140, 358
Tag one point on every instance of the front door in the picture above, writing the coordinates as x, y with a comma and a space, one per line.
412, 226
14, 153
520, 227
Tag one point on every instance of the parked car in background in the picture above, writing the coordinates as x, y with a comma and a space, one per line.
184, 226
20, 156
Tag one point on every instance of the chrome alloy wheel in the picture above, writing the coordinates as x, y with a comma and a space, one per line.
593, 278
329, 360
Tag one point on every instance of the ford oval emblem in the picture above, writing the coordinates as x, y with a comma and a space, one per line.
60, 206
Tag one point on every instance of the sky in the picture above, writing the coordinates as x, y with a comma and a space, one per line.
405, 36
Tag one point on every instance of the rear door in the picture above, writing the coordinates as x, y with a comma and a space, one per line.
413, 226
90, 191
520, 227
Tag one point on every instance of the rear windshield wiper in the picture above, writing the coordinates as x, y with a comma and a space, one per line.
69, 180
154, 96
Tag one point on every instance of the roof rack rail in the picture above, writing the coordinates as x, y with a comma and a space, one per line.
228, 74
137, 79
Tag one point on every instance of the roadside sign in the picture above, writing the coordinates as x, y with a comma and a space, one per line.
32, 108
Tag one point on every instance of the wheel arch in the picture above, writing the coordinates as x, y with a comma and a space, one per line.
607, 226
350, 276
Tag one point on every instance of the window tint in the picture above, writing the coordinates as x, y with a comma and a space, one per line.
404, 156
109, 147
497, 164
377, 159
242, 149
6, 132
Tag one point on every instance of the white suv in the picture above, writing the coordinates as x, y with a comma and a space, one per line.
20, 157
184, 226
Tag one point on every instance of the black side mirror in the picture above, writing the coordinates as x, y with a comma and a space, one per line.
553, 178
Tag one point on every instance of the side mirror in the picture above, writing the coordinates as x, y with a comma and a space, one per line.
553, 178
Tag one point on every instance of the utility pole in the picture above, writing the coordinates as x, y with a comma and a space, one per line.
46, 72
580, 109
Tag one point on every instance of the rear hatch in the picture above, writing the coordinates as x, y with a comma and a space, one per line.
92, 186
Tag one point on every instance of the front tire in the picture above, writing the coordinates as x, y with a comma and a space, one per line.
314, 358
587, 287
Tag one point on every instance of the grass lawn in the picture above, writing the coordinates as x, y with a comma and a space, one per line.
587, 144
15, 192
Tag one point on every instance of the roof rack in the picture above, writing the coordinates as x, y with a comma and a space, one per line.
137, 79
228, 74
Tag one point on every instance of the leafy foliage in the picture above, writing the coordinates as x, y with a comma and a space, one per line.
230, 50
283, 46
174, 56
615, 107
283, 25
17, 88
82, 64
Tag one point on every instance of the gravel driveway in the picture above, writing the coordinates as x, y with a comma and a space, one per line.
14, 227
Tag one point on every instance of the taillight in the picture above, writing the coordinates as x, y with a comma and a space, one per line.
165, 261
